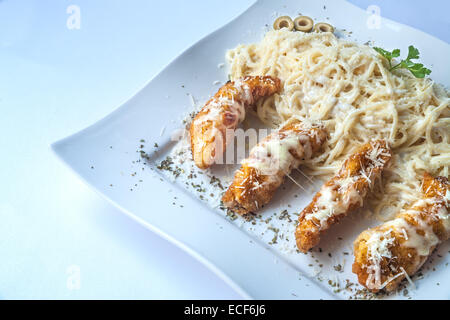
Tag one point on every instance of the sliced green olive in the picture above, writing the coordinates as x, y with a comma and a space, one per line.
303, 23
283, 22
323, 27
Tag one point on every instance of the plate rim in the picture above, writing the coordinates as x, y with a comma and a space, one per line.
179, 244
55, 148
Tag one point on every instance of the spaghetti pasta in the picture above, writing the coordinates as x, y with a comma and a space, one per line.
348, 87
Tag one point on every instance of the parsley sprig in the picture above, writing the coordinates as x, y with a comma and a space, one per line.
417, 69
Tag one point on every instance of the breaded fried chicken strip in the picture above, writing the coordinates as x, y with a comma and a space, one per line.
389, 253
344, 193
269, 162
225, 111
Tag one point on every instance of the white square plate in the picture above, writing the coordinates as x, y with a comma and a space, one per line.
107, 156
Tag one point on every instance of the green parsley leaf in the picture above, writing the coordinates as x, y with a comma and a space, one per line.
413, 53
383, 52
417, 69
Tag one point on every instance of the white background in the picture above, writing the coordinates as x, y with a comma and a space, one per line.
54, 82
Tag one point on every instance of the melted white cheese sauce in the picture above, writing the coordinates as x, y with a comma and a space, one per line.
273, 157
329, 204
379, 243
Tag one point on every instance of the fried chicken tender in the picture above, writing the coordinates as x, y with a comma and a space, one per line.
342, 194
269, 162
225, 111
395, 250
